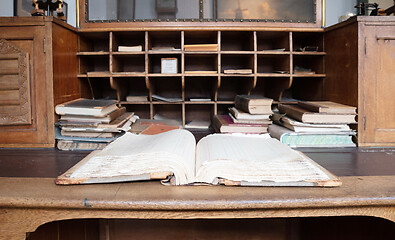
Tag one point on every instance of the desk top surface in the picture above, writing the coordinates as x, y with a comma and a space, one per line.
50, 163
27, 181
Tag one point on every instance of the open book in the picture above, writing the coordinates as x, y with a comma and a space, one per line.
217, 159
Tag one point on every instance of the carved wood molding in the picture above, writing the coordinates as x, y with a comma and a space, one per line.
15, 107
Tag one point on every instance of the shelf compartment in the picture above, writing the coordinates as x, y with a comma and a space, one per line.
94, 42
231, 86
198, 114
277, 42
308, 39
309, 89
202, 88
237, 62
141, 110
132, 86
200, 37
98, 88
166, 87
168, 111
128, 39
128, 64
95, 65
201, 64
155, 61
273, 64
308, 65
271, 87
165, 39
237, 41
223, 107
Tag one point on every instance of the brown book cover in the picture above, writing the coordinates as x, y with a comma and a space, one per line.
92, 119
87, 107
254, 104
304, 115
225, 124
327, 107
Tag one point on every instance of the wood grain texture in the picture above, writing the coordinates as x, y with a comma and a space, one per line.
15, 107
26, 203
359, 66
51, 46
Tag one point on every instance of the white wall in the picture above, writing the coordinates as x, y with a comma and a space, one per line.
336, 8
7, 8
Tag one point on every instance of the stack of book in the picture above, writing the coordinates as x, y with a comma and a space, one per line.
87, 124
251, 114
314, 124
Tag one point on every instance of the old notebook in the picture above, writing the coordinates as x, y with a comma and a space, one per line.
217, 159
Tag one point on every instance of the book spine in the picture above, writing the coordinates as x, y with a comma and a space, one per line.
290, 112
242, 103
309, 106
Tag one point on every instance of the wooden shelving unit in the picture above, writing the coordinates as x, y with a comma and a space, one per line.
271, 55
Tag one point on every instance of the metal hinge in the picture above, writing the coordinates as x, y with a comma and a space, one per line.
364, 122
366, 42
44, 45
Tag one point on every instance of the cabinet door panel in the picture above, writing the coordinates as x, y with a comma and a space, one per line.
15, 108
34, 131
379, 84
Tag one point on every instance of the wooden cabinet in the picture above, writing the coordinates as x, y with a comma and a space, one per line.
33, 86
360, 72
201, 82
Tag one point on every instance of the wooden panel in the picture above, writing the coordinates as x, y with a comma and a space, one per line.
379, 85
9, 82
15, 108
65, 65
341, 65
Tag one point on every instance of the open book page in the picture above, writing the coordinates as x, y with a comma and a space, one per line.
255, 161
134, 155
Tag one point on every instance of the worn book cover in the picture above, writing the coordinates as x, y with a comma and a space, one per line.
87, 107
306, 116
327, 107
254, 104
225, 124
311, 139
70, 118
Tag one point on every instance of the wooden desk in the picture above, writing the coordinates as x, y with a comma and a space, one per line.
28, 202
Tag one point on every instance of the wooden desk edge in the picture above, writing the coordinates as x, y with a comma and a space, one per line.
21, 214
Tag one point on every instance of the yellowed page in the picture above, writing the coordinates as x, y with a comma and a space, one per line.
132, 154
253, 159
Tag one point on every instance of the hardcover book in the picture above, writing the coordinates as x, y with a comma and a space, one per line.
310, 139
254, 104
306, 116
241, 115
225, 124
175, 158
87, 107
327, 107
92, 119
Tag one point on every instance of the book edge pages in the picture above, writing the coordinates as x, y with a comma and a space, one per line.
65, 179
333, 180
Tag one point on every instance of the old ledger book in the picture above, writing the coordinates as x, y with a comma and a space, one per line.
87, 107
306, 116
327, 107
216, 159
254, 104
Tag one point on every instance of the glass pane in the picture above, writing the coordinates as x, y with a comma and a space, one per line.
295, 10
143, 9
